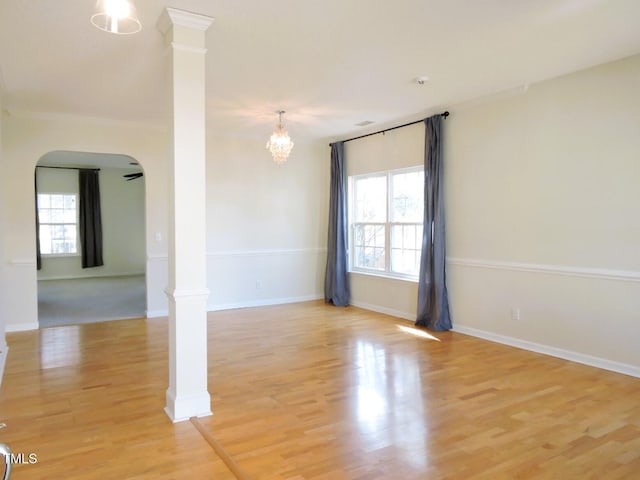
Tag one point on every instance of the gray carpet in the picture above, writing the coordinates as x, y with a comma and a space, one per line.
88, 300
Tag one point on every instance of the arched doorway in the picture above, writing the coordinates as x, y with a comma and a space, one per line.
68, 292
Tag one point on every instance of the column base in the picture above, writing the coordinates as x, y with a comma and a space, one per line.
186, 406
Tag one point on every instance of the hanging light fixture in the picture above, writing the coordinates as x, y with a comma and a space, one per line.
280, 144
116, 16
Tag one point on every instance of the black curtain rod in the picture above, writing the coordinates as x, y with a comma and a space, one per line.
444, 114
69, 168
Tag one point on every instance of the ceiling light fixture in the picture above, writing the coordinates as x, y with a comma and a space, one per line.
280, 144
116, 16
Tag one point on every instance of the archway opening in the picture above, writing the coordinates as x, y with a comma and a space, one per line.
69, 290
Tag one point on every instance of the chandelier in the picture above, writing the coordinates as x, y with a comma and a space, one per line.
116, 16
280, 144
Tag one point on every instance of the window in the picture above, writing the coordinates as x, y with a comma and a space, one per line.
58, 219
386, 212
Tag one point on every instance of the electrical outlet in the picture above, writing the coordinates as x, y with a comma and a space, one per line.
258, 284
515, 313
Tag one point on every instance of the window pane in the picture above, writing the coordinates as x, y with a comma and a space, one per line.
70, 202
379, 236
406, 243
43, 200
69, 216
57, 232
374, 258
70, 233
57, 215
370, 199
57, 201
45, 239
407, 203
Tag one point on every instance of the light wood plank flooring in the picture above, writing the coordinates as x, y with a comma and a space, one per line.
309, 391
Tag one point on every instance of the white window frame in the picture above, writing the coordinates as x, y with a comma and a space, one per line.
388, 224
76, 224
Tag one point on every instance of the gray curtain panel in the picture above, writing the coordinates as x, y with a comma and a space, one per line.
433, 302
90, 218
336, 280
38, 254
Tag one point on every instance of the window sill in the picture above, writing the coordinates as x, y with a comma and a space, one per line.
59, 255
383, 275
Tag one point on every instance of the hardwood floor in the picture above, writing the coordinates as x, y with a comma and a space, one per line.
307, 391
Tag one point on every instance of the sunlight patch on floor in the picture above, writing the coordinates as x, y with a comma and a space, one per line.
417, 332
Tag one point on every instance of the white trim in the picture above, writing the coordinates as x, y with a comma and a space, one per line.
598, 273
102, 121
387, 311
4, 351
157, 257
186, 48
216, 307
262, 302
251, 253
76, 277
266, 253
182, 408
572, 356
179, 294
22, 262
182, 18
21, 327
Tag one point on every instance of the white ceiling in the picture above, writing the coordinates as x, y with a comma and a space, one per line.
329, 63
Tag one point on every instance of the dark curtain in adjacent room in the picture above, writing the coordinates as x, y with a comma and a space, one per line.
38, 254
336, 280
433, 302
90, 218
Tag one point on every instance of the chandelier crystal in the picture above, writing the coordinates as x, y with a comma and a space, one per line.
280, 143
116, 16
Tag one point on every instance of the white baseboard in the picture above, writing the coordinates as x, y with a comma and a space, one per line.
4, 350
215, 307
83, 277
262, 302
387, 311
21, 327
577, 357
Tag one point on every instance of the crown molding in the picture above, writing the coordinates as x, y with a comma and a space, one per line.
69, 117
172, 16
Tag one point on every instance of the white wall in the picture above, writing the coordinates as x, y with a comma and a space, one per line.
266, 223
399, 148
543, 212
3, 262
123, 225
25, 140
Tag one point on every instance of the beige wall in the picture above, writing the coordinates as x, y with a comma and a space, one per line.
3, 258
25, 140
543, 209
266, 224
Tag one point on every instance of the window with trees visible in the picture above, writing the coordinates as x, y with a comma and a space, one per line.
386, 215
58, 218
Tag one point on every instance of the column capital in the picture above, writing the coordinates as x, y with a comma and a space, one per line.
173, 17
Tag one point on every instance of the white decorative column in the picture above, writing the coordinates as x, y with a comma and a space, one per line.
187, 395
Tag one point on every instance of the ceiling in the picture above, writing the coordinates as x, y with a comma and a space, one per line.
330, 64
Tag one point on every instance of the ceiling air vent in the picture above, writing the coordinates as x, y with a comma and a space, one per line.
365, 123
